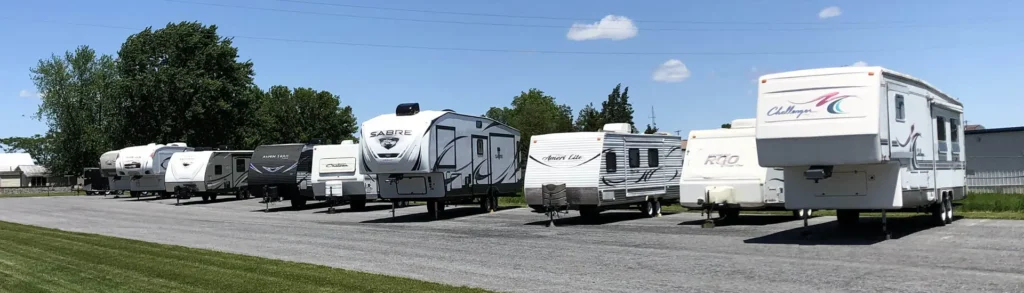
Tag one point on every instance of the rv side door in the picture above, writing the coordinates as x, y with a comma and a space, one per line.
481, 165
898, 129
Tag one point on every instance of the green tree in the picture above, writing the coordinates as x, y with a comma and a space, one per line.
302, 114
589, 119
38, 146
183, 83
533, 113
617, 108
79, 106
727, 125
650, 129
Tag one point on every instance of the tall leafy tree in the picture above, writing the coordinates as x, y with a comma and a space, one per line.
79, 104
533, 112
184, 83
651, 129
302, 114
617, 109
589, 119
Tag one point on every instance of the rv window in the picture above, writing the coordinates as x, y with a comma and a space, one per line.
954, 130
217, 170
634, 158
652, 157
940, 128
611, 162
900, 112
479, 147
240, 165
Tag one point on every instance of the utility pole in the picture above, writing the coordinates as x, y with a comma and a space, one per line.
653, 123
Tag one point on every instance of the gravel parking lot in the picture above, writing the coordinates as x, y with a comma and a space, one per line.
512, 250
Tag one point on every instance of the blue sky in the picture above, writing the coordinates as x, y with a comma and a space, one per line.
969, 49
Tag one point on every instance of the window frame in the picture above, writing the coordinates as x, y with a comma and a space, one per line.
218, 169
940, 129
240, 165
634, 157
611, 162
479, 147
652, 157
901, 108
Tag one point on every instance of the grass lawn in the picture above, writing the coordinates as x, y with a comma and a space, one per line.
976, 206
34, 259
44, 194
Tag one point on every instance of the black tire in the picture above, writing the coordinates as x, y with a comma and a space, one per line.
238, 194
729, 214
949, 208
430, 206
298, 202
206, 198
494, 203
848, 219
357, 203
647, 208
213, 197
134, 193
657, 208
486, 204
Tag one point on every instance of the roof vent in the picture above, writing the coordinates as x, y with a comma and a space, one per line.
407, 109
448, 110
743, 123
618, 128
662, 133
316, 141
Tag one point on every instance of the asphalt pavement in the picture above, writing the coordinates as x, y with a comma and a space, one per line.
513, 250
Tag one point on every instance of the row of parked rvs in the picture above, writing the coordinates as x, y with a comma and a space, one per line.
851, 139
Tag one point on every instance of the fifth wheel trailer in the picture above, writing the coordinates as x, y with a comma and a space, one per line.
145, 165
440, 157
208, 173
606, 169
336, 173
721, 172
108, 168
862, 138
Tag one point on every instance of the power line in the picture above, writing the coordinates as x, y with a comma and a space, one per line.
585, 18
500, 50
562, 27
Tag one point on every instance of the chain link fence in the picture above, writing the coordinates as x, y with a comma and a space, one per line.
996, 174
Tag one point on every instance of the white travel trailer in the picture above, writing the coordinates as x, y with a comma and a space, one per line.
108, 169
336, 173
606, 169
440, 157
722, 173
145, 166
862, 138
208, 173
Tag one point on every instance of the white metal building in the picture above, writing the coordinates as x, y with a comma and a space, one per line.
995, 159
9, 162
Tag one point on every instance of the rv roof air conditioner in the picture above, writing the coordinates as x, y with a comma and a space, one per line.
316, 141
448, 110
618, 128
177, 144
407, 109
662, 133
743, 123
348, 141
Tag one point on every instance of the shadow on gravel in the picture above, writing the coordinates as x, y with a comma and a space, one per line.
230, 198
602, 219
448, 214
867, 232
370, 207
277, 206
746, 220
144, 198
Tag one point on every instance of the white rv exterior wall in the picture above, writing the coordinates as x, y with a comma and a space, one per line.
727, 158
883, 157
187, 168
571, 158
336, 169
152, 158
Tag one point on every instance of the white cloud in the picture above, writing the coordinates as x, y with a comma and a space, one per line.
29, 94
672, 70
830, 12
611, 27
859, 64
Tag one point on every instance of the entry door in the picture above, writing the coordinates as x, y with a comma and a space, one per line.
899, 130
481, 164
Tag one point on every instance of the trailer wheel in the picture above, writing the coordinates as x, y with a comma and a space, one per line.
430, 206
134, 193
435, 208
206, 198
799, 214
486, 204
647, 208
494, 202
729, 214
949, 208
213, 197
657, 208
939, 212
